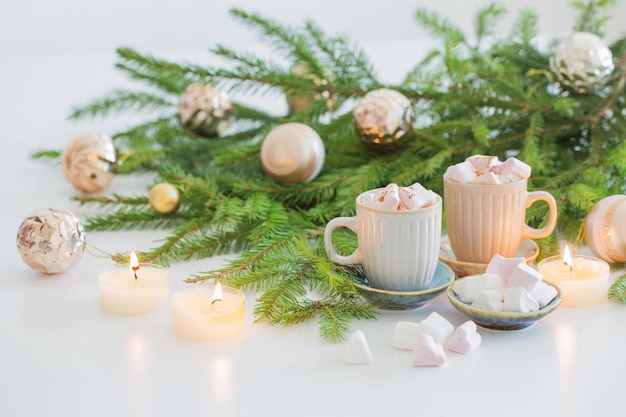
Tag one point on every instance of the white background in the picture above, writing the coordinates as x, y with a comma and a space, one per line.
60, 355
87, 26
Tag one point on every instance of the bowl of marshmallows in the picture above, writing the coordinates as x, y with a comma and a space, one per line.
509, 295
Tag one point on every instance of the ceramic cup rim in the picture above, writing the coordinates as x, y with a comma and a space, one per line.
446, 179
438, 202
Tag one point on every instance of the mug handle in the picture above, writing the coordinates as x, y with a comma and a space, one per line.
350, 223
531, 198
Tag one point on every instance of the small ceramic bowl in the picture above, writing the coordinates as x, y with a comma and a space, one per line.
527, 249
503, 320
404, 300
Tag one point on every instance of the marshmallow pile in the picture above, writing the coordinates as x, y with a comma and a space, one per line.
481, 169
394, 198
508, 284
427, 339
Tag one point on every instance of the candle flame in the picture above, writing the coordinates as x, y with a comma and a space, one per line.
217, 294
567, 258
134, 264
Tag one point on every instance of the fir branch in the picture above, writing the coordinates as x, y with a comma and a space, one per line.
497, 98
120, 101
485, 20
176, 245
440, 27
617, 291
525, 28
47, 155
348, 63
159, 73
283, 38
594, 14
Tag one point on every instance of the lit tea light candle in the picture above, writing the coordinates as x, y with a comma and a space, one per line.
208, 312
138, 289
583, 280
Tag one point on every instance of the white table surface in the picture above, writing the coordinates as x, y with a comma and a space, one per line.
61, 355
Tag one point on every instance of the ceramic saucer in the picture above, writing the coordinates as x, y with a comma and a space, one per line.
527, 249
404, 300
503, 320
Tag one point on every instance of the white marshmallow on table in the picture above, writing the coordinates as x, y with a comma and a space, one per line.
465, 338
407, 328
387, 198
483, 163
517, 299
543, 293
525, 276
404, 335
503, 266
461, 172
357, 350
403, 341
469, 287
415, 196
427, 352
514, 170
436, 326
490, 300
486, 179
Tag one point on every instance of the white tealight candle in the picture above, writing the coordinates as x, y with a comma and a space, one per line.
138, 289
208, 312
583, 280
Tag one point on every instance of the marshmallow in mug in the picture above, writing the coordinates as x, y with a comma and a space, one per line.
394, 198
483, 169
507, 285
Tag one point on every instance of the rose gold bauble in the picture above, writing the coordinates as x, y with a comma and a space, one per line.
299, 102
605, 229
292, 153
51, 241
89, 162
383, 119
204, 110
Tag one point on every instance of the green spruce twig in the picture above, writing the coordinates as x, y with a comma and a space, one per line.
486, 95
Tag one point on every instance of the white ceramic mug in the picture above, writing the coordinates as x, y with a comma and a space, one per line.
398, 249
487, 219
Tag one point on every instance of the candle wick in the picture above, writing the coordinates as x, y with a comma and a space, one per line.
214, 301
135, 268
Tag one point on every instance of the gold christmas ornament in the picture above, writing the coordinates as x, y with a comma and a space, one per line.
164, 198
51, 241
605, 229
204, 110
292, 153
383, 119
89, 162
582, 62
298, 102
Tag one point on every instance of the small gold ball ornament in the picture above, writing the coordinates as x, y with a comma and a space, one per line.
292, 153
383, 119
204, 110
164, 198
89, 162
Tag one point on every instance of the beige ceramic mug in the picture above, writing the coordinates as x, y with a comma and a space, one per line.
487, 219
398, 250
